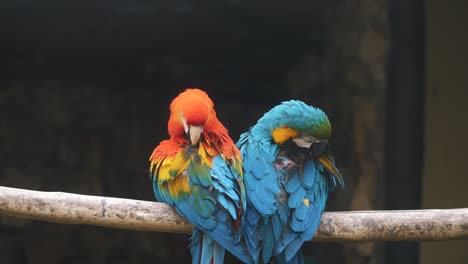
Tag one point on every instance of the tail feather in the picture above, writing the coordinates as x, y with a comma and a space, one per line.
252, 234
298, 258
205, 250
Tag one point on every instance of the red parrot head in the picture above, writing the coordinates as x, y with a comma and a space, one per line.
192, 112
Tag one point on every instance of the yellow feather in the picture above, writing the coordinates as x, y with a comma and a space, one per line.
179, 186
205, 155
178, 165
282, 134
237, 162
163, 173
326, 162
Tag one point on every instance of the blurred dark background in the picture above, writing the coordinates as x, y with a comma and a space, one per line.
85, 88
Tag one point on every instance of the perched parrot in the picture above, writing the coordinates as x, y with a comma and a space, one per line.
198, 171
288, 173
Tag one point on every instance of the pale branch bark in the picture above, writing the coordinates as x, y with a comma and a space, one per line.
354, 226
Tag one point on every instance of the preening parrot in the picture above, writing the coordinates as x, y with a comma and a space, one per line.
288, 173
198, 171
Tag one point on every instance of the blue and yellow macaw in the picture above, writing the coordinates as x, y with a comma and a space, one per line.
198, 171
288, 173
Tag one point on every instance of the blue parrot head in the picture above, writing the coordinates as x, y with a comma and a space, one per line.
297, 121
303, 129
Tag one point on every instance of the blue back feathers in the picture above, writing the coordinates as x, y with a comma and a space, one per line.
212, 207
284, 203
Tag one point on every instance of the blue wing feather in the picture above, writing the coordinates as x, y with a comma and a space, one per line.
292, 248
269, 240
278, 225
293, 184
287, 190
252, 232
301, 212
309, 174
260, 177
211, 208
297, 197
280, 199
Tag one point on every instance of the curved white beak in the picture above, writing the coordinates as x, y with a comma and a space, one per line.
195, 133
303, 142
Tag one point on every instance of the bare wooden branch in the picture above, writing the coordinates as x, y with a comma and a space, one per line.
354, 226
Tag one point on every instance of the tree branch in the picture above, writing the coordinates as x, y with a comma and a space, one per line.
354, 226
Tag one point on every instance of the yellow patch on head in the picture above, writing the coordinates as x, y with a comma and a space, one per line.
282, 134
306, 202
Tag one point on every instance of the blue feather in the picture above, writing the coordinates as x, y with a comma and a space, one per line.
206, 254
268, 241
218, 253
204, 249
229, 206
293, 184
212, 210
289, 200
278, 226
195, 245
250, 181
312, 227
301, 212
293, 248
252, 232
286, 239
283, 212
260, 180
309, 174
297, 197
263, 199
261, 169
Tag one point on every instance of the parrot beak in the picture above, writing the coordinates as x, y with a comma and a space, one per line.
303, 142
328, 162
195, 133
318, 146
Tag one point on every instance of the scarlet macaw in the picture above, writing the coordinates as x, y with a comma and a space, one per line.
198, 171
